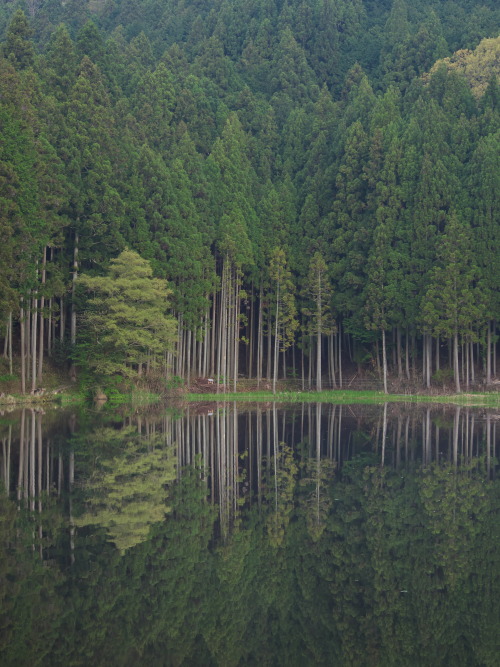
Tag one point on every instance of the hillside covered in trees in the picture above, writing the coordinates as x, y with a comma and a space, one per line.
259, 188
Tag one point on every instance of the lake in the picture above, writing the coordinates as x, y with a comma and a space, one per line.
229, 534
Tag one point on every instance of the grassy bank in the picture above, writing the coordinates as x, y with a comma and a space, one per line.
345, 397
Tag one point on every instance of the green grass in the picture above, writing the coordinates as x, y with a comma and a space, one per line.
345, 397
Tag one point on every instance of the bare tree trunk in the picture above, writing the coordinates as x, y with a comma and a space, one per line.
455, 362
73, 291
339, 336
472, 370
384, 361
407, 354
236, 332
34, 331
276, 344
10, 342
42, 305
488, 354
318, 360
22, 323
260, 340
398, 352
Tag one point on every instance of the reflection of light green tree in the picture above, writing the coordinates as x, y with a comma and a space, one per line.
128, 493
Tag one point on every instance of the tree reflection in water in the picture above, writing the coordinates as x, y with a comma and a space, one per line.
317, 534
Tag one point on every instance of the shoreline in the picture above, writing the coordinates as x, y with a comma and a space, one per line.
339, 396
485, 399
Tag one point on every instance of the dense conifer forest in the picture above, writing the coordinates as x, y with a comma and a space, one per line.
266, 189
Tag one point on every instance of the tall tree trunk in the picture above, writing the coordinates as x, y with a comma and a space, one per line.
23, 347
42, 305
488, 354
398, 352
34, 331
407, 354
456, 367
339, 336
260, 340
73, 291
384, 361
10, 342
276, 343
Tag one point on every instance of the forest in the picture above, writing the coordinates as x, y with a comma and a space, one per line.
274, 189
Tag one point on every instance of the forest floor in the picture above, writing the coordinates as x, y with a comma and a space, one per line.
485, 399
357, 388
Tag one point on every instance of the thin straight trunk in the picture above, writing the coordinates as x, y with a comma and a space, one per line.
251, 334
303, 376
407, 354
494, 349
276, 344
332, 357
394, 348
27, 339
488, 354
339, 336
49, 330
219, 338
472, 371
398, 353
23, 348
236, 332
73, 290
467, 365
205, 346
188, 360
311, 353
428, 358
6, 340
318, 360
384, 426
384, 363
437, 354
215, 322
455, 362
34, 331
463, 362
42, 305
10, 342
260, 340
269, 345
62, 323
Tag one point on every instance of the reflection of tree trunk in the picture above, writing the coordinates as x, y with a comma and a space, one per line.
32, 487
384, 434
488, 445
39, 480
318, 459
456, 428
21, 456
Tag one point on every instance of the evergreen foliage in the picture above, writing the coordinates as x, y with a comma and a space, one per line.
206, 135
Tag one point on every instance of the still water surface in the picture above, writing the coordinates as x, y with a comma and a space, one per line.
236, 535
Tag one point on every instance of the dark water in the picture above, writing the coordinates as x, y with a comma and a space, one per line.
318, 534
